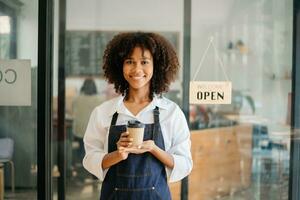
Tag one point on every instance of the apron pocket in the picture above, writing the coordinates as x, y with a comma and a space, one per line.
136, 194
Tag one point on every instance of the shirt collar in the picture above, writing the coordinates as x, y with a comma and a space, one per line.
119, 106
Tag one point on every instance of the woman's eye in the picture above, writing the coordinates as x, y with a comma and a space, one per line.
144, 62
129, 62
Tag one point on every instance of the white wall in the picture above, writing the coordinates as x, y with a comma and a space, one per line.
154, 15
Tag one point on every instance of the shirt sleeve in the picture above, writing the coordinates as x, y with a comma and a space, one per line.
94, 143
180, 148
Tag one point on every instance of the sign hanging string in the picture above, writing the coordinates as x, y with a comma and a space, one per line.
204, 55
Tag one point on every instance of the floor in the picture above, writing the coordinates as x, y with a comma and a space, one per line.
90, 191
269, 182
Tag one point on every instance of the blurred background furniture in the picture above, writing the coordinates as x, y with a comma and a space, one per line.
82, 107
6, 154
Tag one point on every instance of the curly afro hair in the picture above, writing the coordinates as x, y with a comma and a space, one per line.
165, 61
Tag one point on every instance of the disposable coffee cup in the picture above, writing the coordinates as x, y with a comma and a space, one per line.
136, 132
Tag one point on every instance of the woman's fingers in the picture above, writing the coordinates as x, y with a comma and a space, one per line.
124, 144
125, 134
136, 150
124, 140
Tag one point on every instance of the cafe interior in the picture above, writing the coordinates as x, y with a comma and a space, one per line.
240, 150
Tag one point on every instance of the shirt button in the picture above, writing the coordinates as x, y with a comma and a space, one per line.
153, 188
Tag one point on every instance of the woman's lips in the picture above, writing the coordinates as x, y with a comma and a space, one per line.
137, 77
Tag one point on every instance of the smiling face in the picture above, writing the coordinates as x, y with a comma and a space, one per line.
138, 69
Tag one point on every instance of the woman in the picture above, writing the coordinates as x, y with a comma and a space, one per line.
141, 66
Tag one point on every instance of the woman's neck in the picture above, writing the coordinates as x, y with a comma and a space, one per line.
137, 101
139, 96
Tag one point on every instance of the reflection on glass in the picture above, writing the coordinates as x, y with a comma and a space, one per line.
241, 150
5, 37
5, 24
18, 124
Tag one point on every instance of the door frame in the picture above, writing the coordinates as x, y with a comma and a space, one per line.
44, 97
294, 175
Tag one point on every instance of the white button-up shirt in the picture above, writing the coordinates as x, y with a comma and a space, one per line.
174, 129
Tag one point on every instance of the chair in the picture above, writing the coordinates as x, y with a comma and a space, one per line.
6, 153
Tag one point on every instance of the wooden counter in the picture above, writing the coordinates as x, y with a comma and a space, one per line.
222, 162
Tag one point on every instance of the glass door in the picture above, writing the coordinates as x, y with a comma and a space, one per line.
18, 99
85, 37
240, 150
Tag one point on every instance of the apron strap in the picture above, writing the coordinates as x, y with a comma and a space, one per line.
114, 119
155, 112
156, 115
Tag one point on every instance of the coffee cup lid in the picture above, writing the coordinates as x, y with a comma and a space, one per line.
135, 124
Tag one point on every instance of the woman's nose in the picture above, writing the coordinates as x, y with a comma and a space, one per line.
137, 71
137, 66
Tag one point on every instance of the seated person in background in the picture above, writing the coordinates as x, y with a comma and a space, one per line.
83, 105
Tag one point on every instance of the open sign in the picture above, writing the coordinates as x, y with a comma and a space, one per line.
209, 92
210, 95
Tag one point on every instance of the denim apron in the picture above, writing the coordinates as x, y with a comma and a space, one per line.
140, 176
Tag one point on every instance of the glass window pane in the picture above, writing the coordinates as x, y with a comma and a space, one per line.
89, 27
241, 150
18, 124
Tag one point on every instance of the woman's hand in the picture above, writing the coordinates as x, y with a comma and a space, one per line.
150, 146
146, 146
123, 153
124, 142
